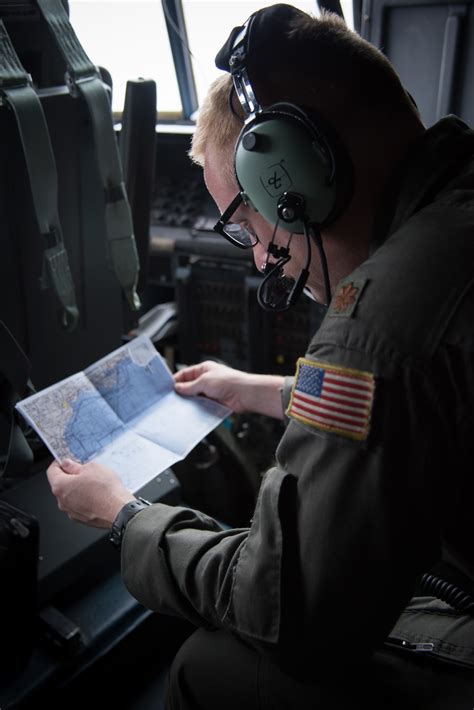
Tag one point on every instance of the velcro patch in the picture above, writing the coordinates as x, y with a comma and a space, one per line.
346, 298
332, 398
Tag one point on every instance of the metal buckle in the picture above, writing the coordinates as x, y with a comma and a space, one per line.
72, 81
245, 93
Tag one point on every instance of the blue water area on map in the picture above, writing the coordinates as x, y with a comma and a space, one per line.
133, 388
91, 427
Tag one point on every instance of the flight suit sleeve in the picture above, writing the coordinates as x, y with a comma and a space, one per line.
341, 529
180, 562
286, 392
363, 517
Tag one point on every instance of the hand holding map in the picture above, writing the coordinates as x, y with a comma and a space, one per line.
123, 412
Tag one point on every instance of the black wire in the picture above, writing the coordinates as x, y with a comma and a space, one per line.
448, 592
308, 246
176, 29
282, 282
316, 234
286, 289
272, 293
275, 283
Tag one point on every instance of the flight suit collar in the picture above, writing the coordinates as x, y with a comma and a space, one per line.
434, 157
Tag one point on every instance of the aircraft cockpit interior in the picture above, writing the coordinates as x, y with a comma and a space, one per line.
111, 261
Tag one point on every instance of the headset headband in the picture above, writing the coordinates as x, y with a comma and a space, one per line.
238, 70
238, 51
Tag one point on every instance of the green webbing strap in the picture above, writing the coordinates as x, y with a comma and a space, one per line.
14, 379
17, 92
83, 78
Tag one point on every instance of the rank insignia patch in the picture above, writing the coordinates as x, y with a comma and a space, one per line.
331, 398
346, 298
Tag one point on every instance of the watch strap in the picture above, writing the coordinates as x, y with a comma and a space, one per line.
124, 516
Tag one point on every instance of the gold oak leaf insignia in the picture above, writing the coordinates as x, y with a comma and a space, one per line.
345, 298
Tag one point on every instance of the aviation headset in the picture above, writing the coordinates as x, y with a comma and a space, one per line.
289, 163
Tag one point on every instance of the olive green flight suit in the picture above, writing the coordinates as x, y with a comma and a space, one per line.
362, 499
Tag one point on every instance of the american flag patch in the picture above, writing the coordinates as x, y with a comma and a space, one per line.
332, 398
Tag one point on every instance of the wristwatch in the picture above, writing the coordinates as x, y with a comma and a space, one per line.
124, 515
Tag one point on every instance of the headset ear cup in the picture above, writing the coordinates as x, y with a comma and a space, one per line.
344, 169
282, 150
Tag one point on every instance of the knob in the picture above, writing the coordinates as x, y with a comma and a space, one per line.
250, 141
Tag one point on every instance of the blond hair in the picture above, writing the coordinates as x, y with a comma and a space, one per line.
217, 123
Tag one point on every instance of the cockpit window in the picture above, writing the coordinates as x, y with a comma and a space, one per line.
128, 38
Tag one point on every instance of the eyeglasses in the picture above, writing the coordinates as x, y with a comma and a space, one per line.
240, 234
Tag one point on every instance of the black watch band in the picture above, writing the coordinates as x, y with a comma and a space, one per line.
125, 514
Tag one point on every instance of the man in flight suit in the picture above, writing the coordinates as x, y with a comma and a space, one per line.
318, 603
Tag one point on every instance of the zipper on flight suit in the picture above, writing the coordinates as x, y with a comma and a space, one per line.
422, 647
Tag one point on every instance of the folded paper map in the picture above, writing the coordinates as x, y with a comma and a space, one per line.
122, 411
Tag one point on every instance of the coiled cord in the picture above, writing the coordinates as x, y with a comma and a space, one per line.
431, 585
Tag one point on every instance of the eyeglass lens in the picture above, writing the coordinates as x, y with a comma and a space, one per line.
241, 233
237, 232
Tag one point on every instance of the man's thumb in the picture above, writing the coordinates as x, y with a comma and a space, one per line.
70, 466
185, 388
